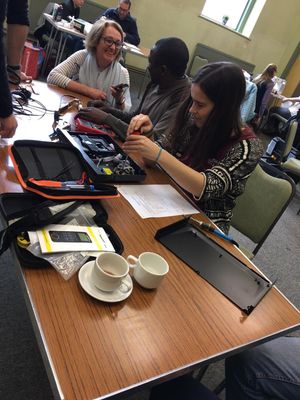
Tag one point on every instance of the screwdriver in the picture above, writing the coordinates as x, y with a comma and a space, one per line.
126, 158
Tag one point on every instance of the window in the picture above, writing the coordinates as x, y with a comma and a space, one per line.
239, 15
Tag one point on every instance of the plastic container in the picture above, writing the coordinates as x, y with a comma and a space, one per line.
30, 60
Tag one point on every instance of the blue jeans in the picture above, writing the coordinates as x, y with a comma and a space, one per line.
269, 371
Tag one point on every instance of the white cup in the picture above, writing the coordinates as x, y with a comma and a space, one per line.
149, 269
109, 271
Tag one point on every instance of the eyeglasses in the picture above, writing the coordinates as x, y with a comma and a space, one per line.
109, 42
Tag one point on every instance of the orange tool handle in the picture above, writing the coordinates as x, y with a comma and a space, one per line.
46, 183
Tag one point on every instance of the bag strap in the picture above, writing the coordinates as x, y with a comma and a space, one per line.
49, 212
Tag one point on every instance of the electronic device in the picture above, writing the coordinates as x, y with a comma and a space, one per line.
90, 127
69, 236
105, 159
121, 86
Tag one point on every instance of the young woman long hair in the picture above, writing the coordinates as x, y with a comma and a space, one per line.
267, 74
224, 84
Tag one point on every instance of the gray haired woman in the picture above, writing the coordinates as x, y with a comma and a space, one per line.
95, 72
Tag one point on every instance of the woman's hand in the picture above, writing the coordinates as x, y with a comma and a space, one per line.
96, 94
8, 126
92, 114
141, 145
141, 123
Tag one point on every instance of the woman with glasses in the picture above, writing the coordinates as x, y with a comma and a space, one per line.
96, 72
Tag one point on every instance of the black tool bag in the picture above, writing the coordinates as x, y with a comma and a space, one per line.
28, 212
56, 171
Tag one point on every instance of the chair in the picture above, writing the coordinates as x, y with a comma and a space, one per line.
197, 63
286, 160
267, 194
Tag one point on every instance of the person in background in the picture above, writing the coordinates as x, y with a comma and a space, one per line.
287, 112
265, 84
207, 151
95, 72
249, 102
268, 371
293, 112
122, 16
69, 8
167, 64
10, 70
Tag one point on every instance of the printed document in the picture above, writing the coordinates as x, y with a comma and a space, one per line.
152, 201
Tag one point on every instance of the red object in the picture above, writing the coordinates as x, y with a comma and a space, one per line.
29, 62
87, 126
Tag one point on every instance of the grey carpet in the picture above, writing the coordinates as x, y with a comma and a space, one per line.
22, 373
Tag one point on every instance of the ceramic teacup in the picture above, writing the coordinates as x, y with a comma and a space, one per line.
149, 269
109, 271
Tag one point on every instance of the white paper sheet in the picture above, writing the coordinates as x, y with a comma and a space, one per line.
156, 200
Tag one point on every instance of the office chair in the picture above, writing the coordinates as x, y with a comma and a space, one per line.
267, 194
285, 159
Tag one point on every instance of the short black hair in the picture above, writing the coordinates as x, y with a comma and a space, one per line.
173, 53
126, 2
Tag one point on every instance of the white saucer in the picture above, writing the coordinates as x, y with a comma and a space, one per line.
110, 297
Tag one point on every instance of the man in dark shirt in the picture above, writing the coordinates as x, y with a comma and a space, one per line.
69, 8
122, 16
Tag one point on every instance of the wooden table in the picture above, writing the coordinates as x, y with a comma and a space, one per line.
97, 350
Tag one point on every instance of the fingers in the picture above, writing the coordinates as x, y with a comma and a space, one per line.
95, 103
140, 123
85, 113
7, 133
8, 126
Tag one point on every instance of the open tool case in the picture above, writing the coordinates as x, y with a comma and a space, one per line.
242, 285
104, 156
18, 205
57, 171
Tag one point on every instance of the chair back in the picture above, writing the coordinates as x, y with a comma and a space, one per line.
266, 196
289, 140
197, 63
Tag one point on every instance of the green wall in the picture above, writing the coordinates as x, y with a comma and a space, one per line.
273, 39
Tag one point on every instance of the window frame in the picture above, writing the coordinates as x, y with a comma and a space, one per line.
242, 22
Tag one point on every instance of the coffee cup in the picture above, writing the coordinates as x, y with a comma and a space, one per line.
149, 269
109, 271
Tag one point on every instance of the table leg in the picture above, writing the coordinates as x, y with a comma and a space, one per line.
49, 48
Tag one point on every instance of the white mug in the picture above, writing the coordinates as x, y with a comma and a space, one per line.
149, 269
109, 271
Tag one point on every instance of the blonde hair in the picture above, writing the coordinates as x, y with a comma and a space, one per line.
268, 73
97, 32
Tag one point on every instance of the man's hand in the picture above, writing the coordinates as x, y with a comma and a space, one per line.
140, 123
92, 114
100, 104
8, 126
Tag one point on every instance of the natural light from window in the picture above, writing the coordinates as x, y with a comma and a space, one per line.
239, 15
